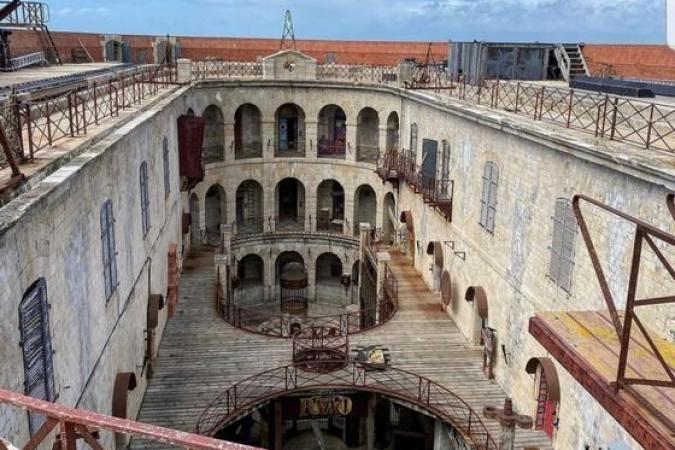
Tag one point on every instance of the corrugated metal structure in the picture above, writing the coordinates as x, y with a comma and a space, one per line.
476, 61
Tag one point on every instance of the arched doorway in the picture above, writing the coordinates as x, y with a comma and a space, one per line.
408, 236
250, 280
331, 132
435, 249
367, 135
328, 289
365, 207
330, 207
483, 334
392, 132
389, 219
214, 134
290, 208
247, 132
249, 208
297, 266
214, 212
195, 233
547, 393
290, 131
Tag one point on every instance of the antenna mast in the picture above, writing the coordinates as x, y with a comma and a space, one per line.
288, 35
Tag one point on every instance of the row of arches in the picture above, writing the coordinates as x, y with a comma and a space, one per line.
251, 268
290, 132
290, 212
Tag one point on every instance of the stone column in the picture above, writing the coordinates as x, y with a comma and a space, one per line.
311, 127
364, 231
229, 141
268, 276
183, 70
310, 267
268, 140
310, 210
351, 141
382, 138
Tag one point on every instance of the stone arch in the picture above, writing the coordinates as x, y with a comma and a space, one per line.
290, 204
389, 219
328, 268
330, 206
249, 207
195, 232
367, 135
365, 207
248, 132
393, 132
435, 249
331, 134
289, 131
214, 212
446, 289
251, 271
214, 134
286, 258
406, 217
547, 392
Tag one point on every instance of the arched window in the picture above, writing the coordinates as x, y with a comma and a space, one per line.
562, 245
108, 249
37, 348
488, 202
247, 132
214, 134
145, 201
167, 167
367, 135
331, 132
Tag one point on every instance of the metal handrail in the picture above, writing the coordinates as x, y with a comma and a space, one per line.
74, 423
393, 382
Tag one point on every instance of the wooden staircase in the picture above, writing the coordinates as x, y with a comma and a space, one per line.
571, 61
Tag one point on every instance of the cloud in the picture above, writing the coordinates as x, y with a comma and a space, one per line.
500, 20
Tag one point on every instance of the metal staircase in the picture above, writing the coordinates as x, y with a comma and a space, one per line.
18, 14
571, 61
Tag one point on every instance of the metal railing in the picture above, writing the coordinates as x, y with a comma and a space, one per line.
78, 424
26, 14
367, 153
400, 384
285, 325
22, 61
250, 150
331, 149
320, 349
214, 69
39, 122
362, 73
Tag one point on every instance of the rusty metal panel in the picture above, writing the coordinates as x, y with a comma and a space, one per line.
124, 382
477, 294
550, 373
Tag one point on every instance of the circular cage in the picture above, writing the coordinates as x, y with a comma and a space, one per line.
294, 288
320, 349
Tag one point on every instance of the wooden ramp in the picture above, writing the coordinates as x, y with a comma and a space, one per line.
201, 355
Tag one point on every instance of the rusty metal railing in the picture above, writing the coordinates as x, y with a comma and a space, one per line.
657, 241
396, 383
39, 122
77, 424
215, 68
269, 323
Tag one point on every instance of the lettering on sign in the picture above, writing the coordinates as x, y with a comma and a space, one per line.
325, 406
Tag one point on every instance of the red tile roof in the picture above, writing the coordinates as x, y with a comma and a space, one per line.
626, 60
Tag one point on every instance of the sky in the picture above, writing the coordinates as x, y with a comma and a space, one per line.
640, 21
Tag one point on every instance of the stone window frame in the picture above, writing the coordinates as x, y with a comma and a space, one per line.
145, 198
167, 167
36, 345
563, 235
108, 249
488, 201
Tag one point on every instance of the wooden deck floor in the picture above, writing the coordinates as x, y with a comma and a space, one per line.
201, 355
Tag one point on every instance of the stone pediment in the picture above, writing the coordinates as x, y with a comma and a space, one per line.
289, 65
